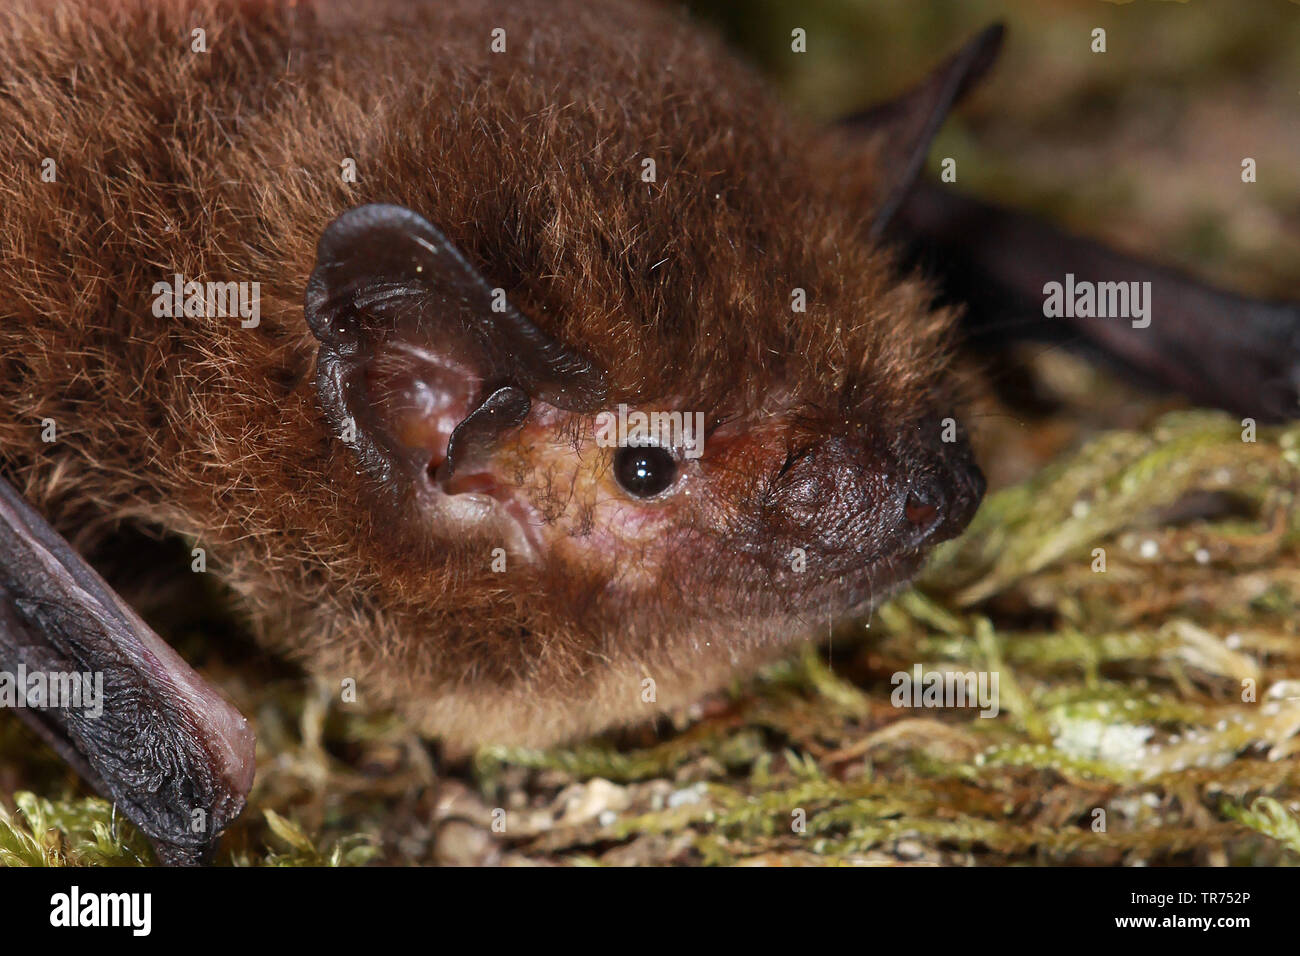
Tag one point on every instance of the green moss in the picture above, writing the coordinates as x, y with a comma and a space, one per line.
71, 832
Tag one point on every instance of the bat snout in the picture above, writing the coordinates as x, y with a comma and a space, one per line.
936, 505
939, 486
850, 498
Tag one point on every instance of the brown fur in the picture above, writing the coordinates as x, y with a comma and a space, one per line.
225, 166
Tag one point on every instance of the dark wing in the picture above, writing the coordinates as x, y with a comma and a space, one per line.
1214, 346
142, 728
1218, 348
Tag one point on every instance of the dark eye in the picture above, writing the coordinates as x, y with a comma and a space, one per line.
644, 471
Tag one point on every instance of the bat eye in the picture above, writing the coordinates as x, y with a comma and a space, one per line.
644, 471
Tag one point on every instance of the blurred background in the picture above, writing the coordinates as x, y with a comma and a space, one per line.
1140, 145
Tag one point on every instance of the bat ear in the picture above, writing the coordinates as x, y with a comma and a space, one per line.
904, 127
419, 353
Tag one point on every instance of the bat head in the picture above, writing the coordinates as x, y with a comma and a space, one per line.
692, 403
795, 488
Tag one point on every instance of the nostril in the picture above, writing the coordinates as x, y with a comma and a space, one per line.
920, 511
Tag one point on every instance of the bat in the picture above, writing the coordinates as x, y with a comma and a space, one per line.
503, 360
